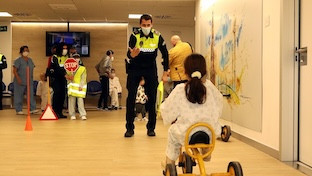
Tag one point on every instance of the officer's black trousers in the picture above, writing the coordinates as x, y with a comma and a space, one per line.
59, 88
151, 83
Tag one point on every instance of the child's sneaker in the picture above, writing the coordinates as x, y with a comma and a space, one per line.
72, 118
83, 118
145, 119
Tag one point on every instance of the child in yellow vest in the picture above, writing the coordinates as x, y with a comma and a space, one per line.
77, 88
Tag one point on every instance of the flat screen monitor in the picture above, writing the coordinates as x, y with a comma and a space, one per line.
79, 40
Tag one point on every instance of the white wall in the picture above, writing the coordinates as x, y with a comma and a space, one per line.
6, 50
269, 136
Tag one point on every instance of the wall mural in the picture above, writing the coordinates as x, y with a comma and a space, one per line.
231, 41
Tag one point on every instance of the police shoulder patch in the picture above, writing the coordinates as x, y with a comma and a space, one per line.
156, 32
136, 31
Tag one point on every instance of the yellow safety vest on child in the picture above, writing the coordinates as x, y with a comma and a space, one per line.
73, 86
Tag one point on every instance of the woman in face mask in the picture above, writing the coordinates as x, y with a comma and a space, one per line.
20, 81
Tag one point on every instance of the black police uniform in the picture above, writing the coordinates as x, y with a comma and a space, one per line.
144, 65
3, 65
57, 74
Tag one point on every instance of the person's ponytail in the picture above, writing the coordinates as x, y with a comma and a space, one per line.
195, 68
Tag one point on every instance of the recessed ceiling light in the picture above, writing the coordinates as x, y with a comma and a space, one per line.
5, 14
134, 16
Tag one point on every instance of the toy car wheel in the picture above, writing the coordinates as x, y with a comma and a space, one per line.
171, 170
187, 163
226, 133
235, 169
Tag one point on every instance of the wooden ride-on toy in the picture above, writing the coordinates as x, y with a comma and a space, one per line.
194, 145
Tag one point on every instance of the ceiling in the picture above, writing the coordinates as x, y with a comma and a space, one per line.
173, 12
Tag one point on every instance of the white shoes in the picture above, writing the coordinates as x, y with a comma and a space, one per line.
34, 111
31, 112
137, 119
83, 118
72, 118
20, 113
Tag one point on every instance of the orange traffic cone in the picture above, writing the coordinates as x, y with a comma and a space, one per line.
28, 126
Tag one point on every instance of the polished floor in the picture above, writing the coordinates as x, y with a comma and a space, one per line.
96, 147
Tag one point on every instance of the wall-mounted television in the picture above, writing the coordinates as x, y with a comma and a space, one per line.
79, 40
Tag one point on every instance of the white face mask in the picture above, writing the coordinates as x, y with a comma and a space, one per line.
25, 53
64, 52
146, 30
112, 58
113, 75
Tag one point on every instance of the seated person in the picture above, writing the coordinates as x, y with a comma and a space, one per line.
114, 90
197, 100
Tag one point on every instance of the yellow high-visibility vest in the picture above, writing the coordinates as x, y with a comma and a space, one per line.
159, 97
73, 87
147, 44
1, 58
61, 60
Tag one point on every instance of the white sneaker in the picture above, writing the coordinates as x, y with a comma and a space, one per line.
137, 119
72, 118
145, 119
34, 111
20, 113
83, 118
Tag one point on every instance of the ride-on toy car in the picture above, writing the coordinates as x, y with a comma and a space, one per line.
194, 145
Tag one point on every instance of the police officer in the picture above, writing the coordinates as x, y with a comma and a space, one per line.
3, 65
142, 53
57, 74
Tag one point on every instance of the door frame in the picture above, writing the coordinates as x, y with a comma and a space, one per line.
288, 82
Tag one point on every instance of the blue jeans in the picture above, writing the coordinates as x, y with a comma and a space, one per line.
19, 91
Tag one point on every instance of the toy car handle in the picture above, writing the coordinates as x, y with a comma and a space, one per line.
190, 146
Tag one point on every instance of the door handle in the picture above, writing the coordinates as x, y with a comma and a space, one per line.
303, 55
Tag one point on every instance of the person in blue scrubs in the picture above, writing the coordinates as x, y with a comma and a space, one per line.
20, 81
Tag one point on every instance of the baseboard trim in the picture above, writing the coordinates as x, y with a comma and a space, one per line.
272, 152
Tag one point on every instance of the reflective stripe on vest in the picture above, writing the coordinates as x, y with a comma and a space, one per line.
147, 45
73, 87
1, 58
61, 60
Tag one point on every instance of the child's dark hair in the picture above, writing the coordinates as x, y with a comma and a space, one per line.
109, 52
195, 68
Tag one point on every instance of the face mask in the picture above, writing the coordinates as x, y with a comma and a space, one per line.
169, 80
113, 75
112, 58
64, 52
146, 30
25, 53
